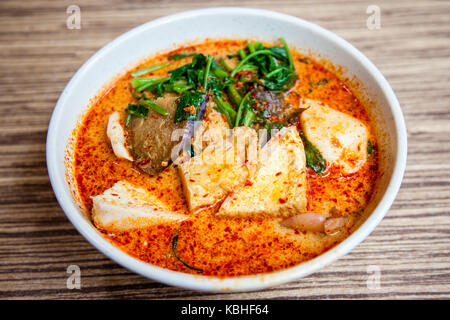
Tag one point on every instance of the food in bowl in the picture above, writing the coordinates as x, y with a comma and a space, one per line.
227, 158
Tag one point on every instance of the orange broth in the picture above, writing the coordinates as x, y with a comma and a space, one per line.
221, 246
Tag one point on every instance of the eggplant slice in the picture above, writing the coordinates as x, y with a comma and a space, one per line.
150, 140
156, 141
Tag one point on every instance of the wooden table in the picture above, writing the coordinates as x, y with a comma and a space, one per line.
39, 54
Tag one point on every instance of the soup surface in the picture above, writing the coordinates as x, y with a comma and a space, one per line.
229, 245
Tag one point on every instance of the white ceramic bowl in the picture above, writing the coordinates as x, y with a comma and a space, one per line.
165, 33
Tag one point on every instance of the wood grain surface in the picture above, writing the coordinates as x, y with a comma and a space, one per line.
39, 54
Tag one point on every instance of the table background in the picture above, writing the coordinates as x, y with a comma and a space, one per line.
38, 55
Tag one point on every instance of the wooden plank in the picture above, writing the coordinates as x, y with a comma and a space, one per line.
38, 55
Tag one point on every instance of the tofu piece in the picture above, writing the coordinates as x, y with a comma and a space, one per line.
279, 185
213, 128
117, 137
340, 138
124, 207
211, 175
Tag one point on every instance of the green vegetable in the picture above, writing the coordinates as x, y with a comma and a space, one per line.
321, 82
271, 67
226, 109
208, 67
143, 71
174, 252
288, 53
278, 125
187, 100
314, 158
304, 60
370, 148
234, 95
191, 72
242, 106
243, 61
141, 84
280, 79
248, 118
242, 54
191, 151
179, 56
178, 87
274, 65
137, 110
154, 107
220, 73
225, 65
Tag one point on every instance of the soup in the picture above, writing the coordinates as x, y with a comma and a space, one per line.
226, 158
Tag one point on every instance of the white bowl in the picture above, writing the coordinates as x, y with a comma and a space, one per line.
165, 33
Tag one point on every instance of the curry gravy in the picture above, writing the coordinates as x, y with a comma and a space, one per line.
222, 246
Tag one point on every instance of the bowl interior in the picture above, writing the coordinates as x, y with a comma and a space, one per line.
193, 26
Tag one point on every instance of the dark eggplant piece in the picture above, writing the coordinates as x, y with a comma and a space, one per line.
152, 140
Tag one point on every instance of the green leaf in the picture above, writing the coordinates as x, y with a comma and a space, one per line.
304, 60
242, 108
179, 56
321, 82
280, 80
185, 102
314, 158
226, 109
288, 53
174, 252
141, 84
143, 71
137, 110
155, 107
370, 148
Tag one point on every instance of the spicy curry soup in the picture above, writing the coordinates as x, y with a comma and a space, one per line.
222, 246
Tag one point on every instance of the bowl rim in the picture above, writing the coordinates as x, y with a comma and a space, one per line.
241, 283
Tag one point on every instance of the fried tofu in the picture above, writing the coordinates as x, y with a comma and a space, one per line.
117, 137
340, 138
125, 206
223, 166
279, 186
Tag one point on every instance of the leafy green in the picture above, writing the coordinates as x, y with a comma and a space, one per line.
207, 69
155, 107
179, 56
280, 80
278, 125
141, 84
178, 87
249, 117
321, 82
314, 158
370, 148
274, 65
137, 110
186, 101
243, 107
143, 71
191, 72
174, 252
191, 151
225, 65
269, 67
288, 53
226, 109
304, 60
